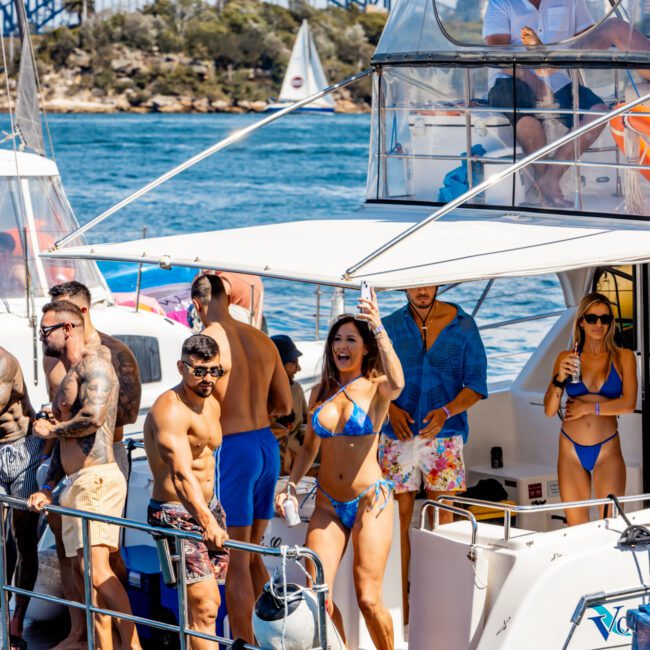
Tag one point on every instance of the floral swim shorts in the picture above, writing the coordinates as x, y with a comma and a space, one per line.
436, 461
200, 563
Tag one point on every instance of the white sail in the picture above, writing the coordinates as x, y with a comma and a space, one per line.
305, 75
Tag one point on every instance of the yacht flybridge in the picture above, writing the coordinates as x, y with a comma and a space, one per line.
453, 196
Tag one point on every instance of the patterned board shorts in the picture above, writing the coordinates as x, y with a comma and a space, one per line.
19, 462
200, 563
437, 461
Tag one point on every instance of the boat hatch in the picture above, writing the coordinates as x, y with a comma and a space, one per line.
444, 120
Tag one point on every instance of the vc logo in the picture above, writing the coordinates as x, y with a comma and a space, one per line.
610, 621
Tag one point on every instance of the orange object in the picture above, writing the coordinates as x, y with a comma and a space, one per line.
639, 124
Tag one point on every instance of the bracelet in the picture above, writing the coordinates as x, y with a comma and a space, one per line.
46, 487
447, 412
291, 484
597, 408
379, 330
560, 384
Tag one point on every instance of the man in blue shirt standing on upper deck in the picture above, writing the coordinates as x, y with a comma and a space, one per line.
445, 368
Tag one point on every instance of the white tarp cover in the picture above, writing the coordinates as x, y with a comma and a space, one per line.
468, 245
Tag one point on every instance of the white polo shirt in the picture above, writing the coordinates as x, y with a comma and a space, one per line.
554, 21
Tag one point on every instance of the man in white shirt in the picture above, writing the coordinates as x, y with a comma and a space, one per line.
531, 22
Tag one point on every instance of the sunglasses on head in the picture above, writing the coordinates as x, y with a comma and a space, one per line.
201, 371
592, 319
46, 330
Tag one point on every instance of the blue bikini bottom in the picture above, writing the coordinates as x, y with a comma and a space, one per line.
346, 511
588, 454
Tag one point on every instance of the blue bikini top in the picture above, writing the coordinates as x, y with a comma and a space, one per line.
611, 389
358, 424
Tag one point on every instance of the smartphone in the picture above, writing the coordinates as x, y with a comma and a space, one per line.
366, 294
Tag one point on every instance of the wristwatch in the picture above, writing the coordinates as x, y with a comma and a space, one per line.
559, 384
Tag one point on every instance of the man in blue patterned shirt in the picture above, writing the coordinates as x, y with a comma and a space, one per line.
445, 369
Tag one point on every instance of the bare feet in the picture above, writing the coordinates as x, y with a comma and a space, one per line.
71, 643
550, 193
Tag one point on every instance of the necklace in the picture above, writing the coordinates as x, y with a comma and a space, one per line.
424, 327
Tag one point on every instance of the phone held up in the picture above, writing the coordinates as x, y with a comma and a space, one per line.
366, 294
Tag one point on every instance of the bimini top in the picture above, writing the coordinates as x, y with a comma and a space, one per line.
450, 32
462, 246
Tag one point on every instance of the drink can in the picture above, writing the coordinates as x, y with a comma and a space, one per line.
496, 457
291, 514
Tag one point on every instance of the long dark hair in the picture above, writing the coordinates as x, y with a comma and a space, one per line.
370, 366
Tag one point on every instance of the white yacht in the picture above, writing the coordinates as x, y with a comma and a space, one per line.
452, 198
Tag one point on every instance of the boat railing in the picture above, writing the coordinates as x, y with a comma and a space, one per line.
602, 598
159, 534
509, 509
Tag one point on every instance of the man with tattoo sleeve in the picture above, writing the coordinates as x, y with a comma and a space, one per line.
20, 452
181, 433
130, 390
84, 412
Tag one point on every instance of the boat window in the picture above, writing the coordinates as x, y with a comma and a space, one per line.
53, 218
12, 260
439, 131
464, 21
618, 283
147, 353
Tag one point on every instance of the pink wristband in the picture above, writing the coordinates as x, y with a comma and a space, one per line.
597, 408
447, 411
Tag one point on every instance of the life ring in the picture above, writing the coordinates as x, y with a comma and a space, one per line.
639, 124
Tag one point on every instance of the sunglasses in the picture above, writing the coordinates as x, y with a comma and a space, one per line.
46, 330
592, 319
202, 371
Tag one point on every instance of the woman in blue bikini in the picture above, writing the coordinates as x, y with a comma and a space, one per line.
590, 447
353, 500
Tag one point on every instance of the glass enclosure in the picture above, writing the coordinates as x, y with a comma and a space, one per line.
445, 121
30, 222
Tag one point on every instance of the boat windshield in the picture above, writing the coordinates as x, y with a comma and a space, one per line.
30, 222
445, 121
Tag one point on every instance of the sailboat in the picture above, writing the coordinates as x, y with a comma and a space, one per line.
304, 77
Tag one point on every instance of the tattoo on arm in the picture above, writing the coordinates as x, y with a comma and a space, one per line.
55, 472
128, 375
96, 385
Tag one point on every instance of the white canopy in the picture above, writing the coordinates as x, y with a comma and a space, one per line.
466, 245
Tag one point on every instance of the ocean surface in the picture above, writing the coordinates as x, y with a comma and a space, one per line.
300, 167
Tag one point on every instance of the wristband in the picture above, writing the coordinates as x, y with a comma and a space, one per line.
46, 487
447, 412
560, 384
597, 408
379, 330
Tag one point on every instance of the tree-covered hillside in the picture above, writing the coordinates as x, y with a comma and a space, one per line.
194, 56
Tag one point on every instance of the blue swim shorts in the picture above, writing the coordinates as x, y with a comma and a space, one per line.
246, 472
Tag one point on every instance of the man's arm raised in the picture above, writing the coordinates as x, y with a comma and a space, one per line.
96, 379
174, 449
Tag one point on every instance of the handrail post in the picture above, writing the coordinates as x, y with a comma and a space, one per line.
4, 600
506, 525
182, 600
88, 585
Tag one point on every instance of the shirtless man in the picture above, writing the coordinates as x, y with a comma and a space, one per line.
254, 385
84, 410
181, 433
128, 374
20, 453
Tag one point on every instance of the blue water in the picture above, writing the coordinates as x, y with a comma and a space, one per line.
301, 167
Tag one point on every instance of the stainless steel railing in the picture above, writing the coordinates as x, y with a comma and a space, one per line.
509, 509
296, 553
